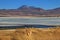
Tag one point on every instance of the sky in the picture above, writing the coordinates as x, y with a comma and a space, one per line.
45, 4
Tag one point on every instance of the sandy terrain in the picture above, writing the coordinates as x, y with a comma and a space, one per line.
31, 34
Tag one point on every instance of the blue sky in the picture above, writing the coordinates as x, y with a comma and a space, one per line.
45, 4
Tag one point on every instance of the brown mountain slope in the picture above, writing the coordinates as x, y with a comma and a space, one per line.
29, 11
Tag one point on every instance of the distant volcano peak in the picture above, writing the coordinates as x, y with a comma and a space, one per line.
25, 7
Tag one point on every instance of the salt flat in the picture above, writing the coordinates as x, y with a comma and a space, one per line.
31, 20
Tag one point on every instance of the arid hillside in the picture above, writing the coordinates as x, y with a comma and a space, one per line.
30, 34
30, 11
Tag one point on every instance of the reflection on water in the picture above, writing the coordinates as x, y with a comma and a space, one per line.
25, 26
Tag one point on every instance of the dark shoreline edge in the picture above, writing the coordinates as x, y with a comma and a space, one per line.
25, 26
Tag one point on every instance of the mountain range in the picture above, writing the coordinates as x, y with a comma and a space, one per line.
30, 11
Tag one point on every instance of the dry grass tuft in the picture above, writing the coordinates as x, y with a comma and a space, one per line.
31, 34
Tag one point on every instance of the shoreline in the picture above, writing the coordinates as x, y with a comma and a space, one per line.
28, 17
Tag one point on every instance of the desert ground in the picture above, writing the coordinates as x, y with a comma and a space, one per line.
30, 34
